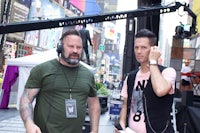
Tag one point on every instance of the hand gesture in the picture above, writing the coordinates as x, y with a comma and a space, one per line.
154, 53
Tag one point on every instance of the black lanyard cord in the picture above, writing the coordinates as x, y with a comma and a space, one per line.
71, 86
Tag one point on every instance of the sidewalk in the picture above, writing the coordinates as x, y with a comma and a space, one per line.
10, 122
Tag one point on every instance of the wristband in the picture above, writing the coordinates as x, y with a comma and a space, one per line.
152, 62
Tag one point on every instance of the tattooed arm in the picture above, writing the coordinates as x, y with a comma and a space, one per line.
26, 110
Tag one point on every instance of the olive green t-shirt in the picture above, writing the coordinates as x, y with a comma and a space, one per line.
55, 81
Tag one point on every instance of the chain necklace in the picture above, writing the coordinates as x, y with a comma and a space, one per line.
146, 112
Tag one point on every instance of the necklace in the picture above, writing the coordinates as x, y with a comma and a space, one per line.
146, 112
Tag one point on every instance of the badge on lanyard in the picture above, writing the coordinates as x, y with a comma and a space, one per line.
71, 109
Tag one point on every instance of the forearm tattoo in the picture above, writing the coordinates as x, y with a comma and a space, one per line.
26, 108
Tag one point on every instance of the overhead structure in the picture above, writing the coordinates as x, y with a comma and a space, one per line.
128, 15
71, 21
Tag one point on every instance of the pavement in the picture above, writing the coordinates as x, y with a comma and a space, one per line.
11, 122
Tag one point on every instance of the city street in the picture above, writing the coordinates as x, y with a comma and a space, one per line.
48, 45
10, 122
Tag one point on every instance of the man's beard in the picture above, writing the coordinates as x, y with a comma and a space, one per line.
70, 61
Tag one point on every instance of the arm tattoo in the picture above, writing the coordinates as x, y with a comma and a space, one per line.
26, 108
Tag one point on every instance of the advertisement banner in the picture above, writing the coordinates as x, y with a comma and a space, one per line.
19, 13
196, 9
110, 32
44, 10
88, 7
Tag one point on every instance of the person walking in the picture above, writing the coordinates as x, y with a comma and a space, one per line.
61, 87
85, 35
148, 91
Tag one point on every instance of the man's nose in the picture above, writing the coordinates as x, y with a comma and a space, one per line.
75, 50
139, 50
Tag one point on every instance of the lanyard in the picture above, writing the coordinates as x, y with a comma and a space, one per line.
70, 86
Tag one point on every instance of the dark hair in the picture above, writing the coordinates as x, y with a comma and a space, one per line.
149, 34
69, 32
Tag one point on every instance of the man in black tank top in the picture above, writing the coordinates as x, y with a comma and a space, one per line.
148, 91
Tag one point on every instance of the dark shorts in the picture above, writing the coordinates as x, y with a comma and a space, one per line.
185, 82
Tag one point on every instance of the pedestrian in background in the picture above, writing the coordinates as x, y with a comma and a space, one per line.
61, 87
85, 35
185, 76
148, 91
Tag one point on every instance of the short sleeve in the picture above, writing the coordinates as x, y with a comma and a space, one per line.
124, 89
170, 75
34, 79
93, 91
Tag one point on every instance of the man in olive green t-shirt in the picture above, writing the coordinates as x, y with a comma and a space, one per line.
62, 87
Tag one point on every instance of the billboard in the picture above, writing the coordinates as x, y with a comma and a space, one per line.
196, 10
43, 10
88, 7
